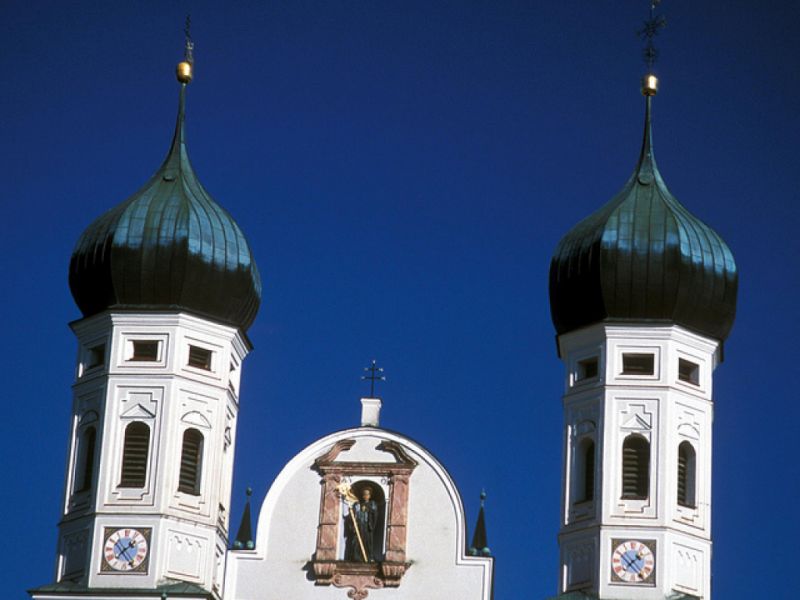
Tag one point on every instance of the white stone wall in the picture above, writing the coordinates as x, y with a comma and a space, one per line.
189, 532
664, 410
279, 567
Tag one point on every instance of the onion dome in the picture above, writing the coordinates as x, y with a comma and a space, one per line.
644, 258
170, 246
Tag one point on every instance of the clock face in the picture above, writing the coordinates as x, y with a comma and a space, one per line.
126, 550
633, 561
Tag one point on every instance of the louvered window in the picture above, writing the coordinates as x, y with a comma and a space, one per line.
688, 371
145, 350
86, 463
191, 462
635, 467
199, 358
584, 471
96, 356
638, 364
134, 455
686, 475
588, 368
588, 473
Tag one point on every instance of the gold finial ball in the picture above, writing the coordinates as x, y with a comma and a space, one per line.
649, 85
184, 72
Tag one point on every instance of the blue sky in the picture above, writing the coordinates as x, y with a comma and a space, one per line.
403, 171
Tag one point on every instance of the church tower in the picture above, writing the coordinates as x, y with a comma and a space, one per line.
167, 286
642, 295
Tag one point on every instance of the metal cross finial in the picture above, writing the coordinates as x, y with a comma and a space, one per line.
375, 374
648, 33
187, 51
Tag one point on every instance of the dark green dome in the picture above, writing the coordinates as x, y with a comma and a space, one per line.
644, 257
170, 246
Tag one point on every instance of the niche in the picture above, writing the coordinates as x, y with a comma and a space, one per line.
364, 523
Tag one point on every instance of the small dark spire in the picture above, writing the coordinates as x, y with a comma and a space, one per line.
480, 544
244, 537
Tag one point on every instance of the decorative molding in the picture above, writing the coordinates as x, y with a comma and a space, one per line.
360, 577
585, 427
636, 417
196, 418
90, 416
332, 453
689, 422
399, 453
137, 411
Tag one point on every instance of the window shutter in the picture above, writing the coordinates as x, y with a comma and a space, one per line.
88, 440
635, 467
134, 455
686, 473
588, 474
191, 462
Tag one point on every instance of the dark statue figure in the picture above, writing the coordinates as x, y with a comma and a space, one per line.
365, 514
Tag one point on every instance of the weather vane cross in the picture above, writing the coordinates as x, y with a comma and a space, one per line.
648, 33
187, 31
375, 374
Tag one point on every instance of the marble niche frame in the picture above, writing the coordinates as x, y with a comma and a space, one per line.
326, 568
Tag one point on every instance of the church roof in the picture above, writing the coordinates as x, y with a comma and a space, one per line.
644, 257
170, 246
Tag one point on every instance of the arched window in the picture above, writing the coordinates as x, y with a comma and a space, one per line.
686, 475
635, 467
191, 462
134, 455
584, 471
588, 473
84, 470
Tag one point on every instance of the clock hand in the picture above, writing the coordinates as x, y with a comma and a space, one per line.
631, 562
625, 560
124, 552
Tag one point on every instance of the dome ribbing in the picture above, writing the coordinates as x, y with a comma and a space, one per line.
644, 257
170, 246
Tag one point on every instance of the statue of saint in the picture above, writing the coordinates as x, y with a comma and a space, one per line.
365, 514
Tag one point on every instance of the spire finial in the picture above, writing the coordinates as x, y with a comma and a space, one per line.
480, 544
244, 537
184, 69
649, 31
375, 374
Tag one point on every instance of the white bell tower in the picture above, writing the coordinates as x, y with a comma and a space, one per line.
636, 503
167, 286
642, 296
151, 451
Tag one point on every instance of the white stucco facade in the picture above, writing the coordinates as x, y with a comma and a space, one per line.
187, 533
668, 406
280, 565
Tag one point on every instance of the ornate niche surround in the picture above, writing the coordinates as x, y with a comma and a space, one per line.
327, 569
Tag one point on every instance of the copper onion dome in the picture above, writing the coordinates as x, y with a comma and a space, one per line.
644, 257
170, 246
